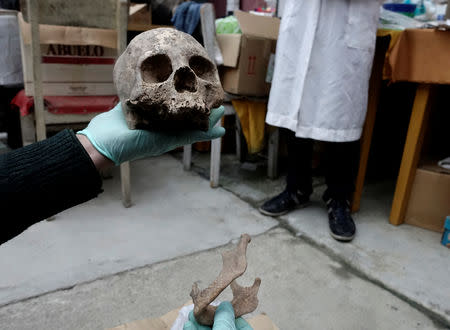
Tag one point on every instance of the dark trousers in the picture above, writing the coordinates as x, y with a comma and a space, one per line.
341, 159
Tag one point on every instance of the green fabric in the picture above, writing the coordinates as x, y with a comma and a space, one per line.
110, 135
223, 320
228, 25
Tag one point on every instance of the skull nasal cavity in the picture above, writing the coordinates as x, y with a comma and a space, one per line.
185, 80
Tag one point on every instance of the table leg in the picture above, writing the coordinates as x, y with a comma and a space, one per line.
366, 140
372, 106
411, 153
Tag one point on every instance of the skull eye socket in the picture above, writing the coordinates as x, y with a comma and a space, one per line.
156, 68
202, 67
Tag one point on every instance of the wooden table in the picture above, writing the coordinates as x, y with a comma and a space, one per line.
423, 57
376, 78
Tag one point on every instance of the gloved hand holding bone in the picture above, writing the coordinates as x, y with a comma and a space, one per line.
224, 319
245, 299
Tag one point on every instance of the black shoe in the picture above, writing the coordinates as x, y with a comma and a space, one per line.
342, 226
283, 203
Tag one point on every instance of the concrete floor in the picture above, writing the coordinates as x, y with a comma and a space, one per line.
174, 213
81, 271
406, 260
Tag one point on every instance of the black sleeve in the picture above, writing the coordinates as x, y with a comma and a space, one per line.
42, 179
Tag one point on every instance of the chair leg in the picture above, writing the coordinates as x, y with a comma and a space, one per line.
238, 138
215, 163
125, 179
33, 14
187, 157
272, 166
28, 129
214, 174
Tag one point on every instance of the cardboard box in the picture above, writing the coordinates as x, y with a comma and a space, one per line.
246, 56
139, 17
259, 322
75, 61
429, 202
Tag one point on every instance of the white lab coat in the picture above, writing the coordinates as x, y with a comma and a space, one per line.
322, 68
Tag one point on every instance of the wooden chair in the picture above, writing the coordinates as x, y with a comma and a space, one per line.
207, 20
103, 14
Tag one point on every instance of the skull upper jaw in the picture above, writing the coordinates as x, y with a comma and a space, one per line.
165, 108
148, 116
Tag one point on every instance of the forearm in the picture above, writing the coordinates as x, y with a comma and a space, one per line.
101, 162
43, 179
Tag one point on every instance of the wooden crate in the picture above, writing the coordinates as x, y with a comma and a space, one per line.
75, 61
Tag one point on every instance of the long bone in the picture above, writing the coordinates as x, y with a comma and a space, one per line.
245, 299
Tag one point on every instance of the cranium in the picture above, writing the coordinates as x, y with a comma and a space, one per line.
165, 80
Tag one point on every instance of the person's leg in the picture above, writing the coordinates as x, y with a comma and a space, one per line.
298, 180
299, 176
341, 161
340, 171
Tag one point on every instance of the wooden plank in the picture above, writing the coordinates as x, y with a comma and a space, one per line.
75, 73
72, 89
272, 165
411, 153
75, 13
51, 118
187, 157
33, 7
207, 18
121, 25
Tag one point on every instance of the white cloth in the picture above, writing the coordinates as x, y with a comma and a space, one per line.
183, 315
322, 68
10, 59
445, 163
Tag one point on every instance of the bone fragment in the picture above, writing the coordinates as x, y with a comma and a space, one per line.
245, 299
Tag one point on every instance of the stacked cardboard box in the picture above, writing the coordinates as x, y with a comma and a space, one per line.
429, 202
140, 17
246, 56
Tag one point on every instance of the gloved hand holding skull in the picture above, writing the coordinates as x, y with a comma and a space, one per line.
168, 89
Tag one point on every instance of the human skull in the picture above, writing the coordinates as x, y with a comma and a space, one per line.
165, 80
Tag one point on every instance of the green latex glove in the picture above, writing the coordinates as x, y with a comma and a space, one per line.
110, 135
223, 320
